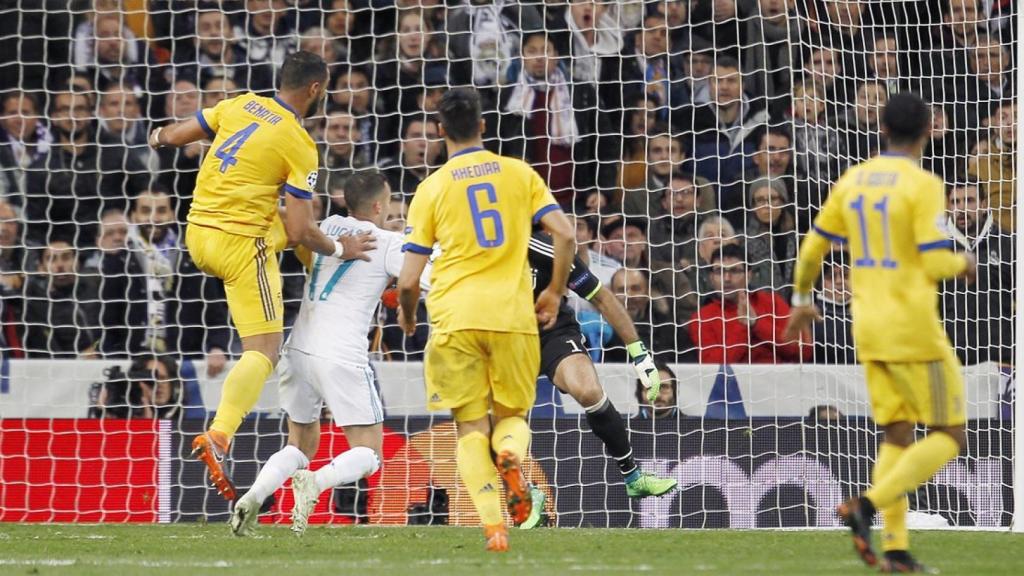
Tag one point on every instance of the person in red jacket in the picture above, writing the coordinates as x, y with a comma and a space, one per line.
739, 325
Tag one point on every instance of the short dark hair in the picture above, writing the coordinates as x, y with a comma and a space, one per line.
781, 130
727, 62
906, 118
460, 114
728, 251
301, 68
967, 181
408, 121
362, 188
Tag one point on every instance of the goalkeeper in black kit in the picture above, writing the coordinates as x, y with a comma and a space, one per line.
565, 361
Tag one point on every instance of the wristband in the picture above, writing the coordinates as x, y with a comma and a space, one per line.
799, 299
339, 250
156, 136
636, 349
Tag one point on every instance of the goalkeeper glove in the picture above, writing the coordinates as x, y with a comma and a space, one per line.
646, 371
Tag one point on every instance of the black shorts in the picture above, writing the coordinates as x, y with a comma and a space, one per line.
559, 344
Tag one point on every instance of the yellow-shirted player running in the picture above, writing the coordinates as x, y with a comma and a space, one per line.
890, 214
259, 148
484, 352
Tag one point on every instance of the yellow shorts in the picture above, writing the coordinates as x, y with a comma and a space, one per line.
248, 266
466, 370
930, 393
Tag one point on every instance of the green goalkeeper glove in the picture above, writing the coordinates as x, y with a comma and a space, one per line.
646, 371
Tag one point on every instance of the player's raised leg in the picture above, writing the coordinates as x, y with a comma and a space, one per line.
361, 460
576, 375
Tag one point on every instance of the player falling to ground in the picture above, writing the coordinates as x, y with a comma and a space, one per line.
234, 232
326, 359
483, 355
564, 360
891, 215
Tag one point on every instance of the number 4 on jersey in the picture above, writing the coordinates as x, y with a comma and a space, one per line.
229, 149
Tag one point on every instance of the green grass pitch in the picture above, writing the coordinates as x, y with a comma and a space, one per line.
110, 550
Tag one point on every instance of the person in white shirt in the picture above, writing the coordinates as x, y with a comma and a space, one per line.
326, 360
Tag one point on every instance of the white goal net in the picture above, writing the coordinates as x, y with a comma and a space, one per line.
670, 130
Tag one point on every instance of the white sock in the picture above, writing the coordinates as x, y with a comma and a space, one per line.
347, 467
278, 468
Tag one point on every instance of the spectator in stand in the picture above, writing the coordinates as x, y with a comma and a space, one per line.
647, 69
14, 262
217, 53
556, 125
342, 156
317, 40
824, 67
179, 167
723, 148
822, 414
673, 233
109, 54
588, 34
154, 299
979, 315
645, 177
397, 211
863, 138
588, 249
771, 236
67, 188
990, 62
121, 123
833, 334
216, 90
666, 404
402, 59
354, 94
60, 316
818, 145
765, 57
267, 35
484, 38
740, 325
24, 138
947, 153
885, 61
421, 149
950, 42
723, 22
112, 236
713, 233
632, 288
342, 21
997, 167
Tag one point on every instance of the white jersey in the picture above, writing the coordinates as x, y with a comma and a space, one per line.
340, 297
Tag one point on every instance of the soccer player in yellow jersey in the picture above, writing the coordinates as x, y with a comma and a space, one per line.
235, 231
483, 356
890, 214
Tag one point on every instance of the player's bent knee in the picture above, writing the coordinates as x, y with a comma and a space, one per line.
899, 434
368, 458
502, 412
576, 376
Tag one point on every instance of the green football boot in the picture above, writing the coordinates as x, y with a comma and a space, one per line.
647, 484
537, 516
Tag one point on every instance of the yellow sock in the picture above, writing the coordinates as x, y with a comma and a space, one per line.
241, 390
512, 434
917, 464
480, 477
894, 518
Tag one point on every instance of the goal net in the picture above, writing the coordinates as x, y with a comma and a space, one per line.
674, 132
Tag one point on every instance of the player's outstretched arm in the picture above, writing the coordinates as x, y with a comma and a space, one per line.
409, 289
563, 239
178, 134
808, 266
616, 315
302, 229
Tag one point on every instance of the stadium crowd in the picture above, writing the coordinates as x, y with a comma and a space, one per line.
693, 141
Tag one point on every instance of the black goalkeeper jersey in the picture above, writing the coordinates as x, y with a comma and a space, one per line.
581, 280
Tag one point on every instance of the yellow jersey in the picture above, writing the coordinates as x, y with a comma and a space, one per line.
259, 147
891, 215
480, 208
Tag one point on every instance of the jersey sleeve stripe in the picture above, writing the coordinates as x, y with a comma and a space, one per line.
594, 292
830, 236
206, 127
416, 249
540, 213
298, 192
945, 244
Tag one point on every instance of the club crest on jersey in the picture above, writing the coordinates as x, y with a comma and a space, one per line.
311, 179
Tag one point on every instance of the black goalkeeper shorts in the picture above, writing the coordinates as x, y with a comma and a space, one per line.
559, 344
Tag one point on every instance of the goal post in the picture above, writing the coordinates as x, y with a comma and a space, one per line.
1018, 411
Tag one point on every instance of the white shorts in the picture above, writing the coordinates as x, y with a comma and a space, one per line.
308, 381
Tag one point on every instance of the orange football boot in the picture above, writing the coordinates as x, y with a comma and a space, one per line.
517, 490
497, 538
210, 448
